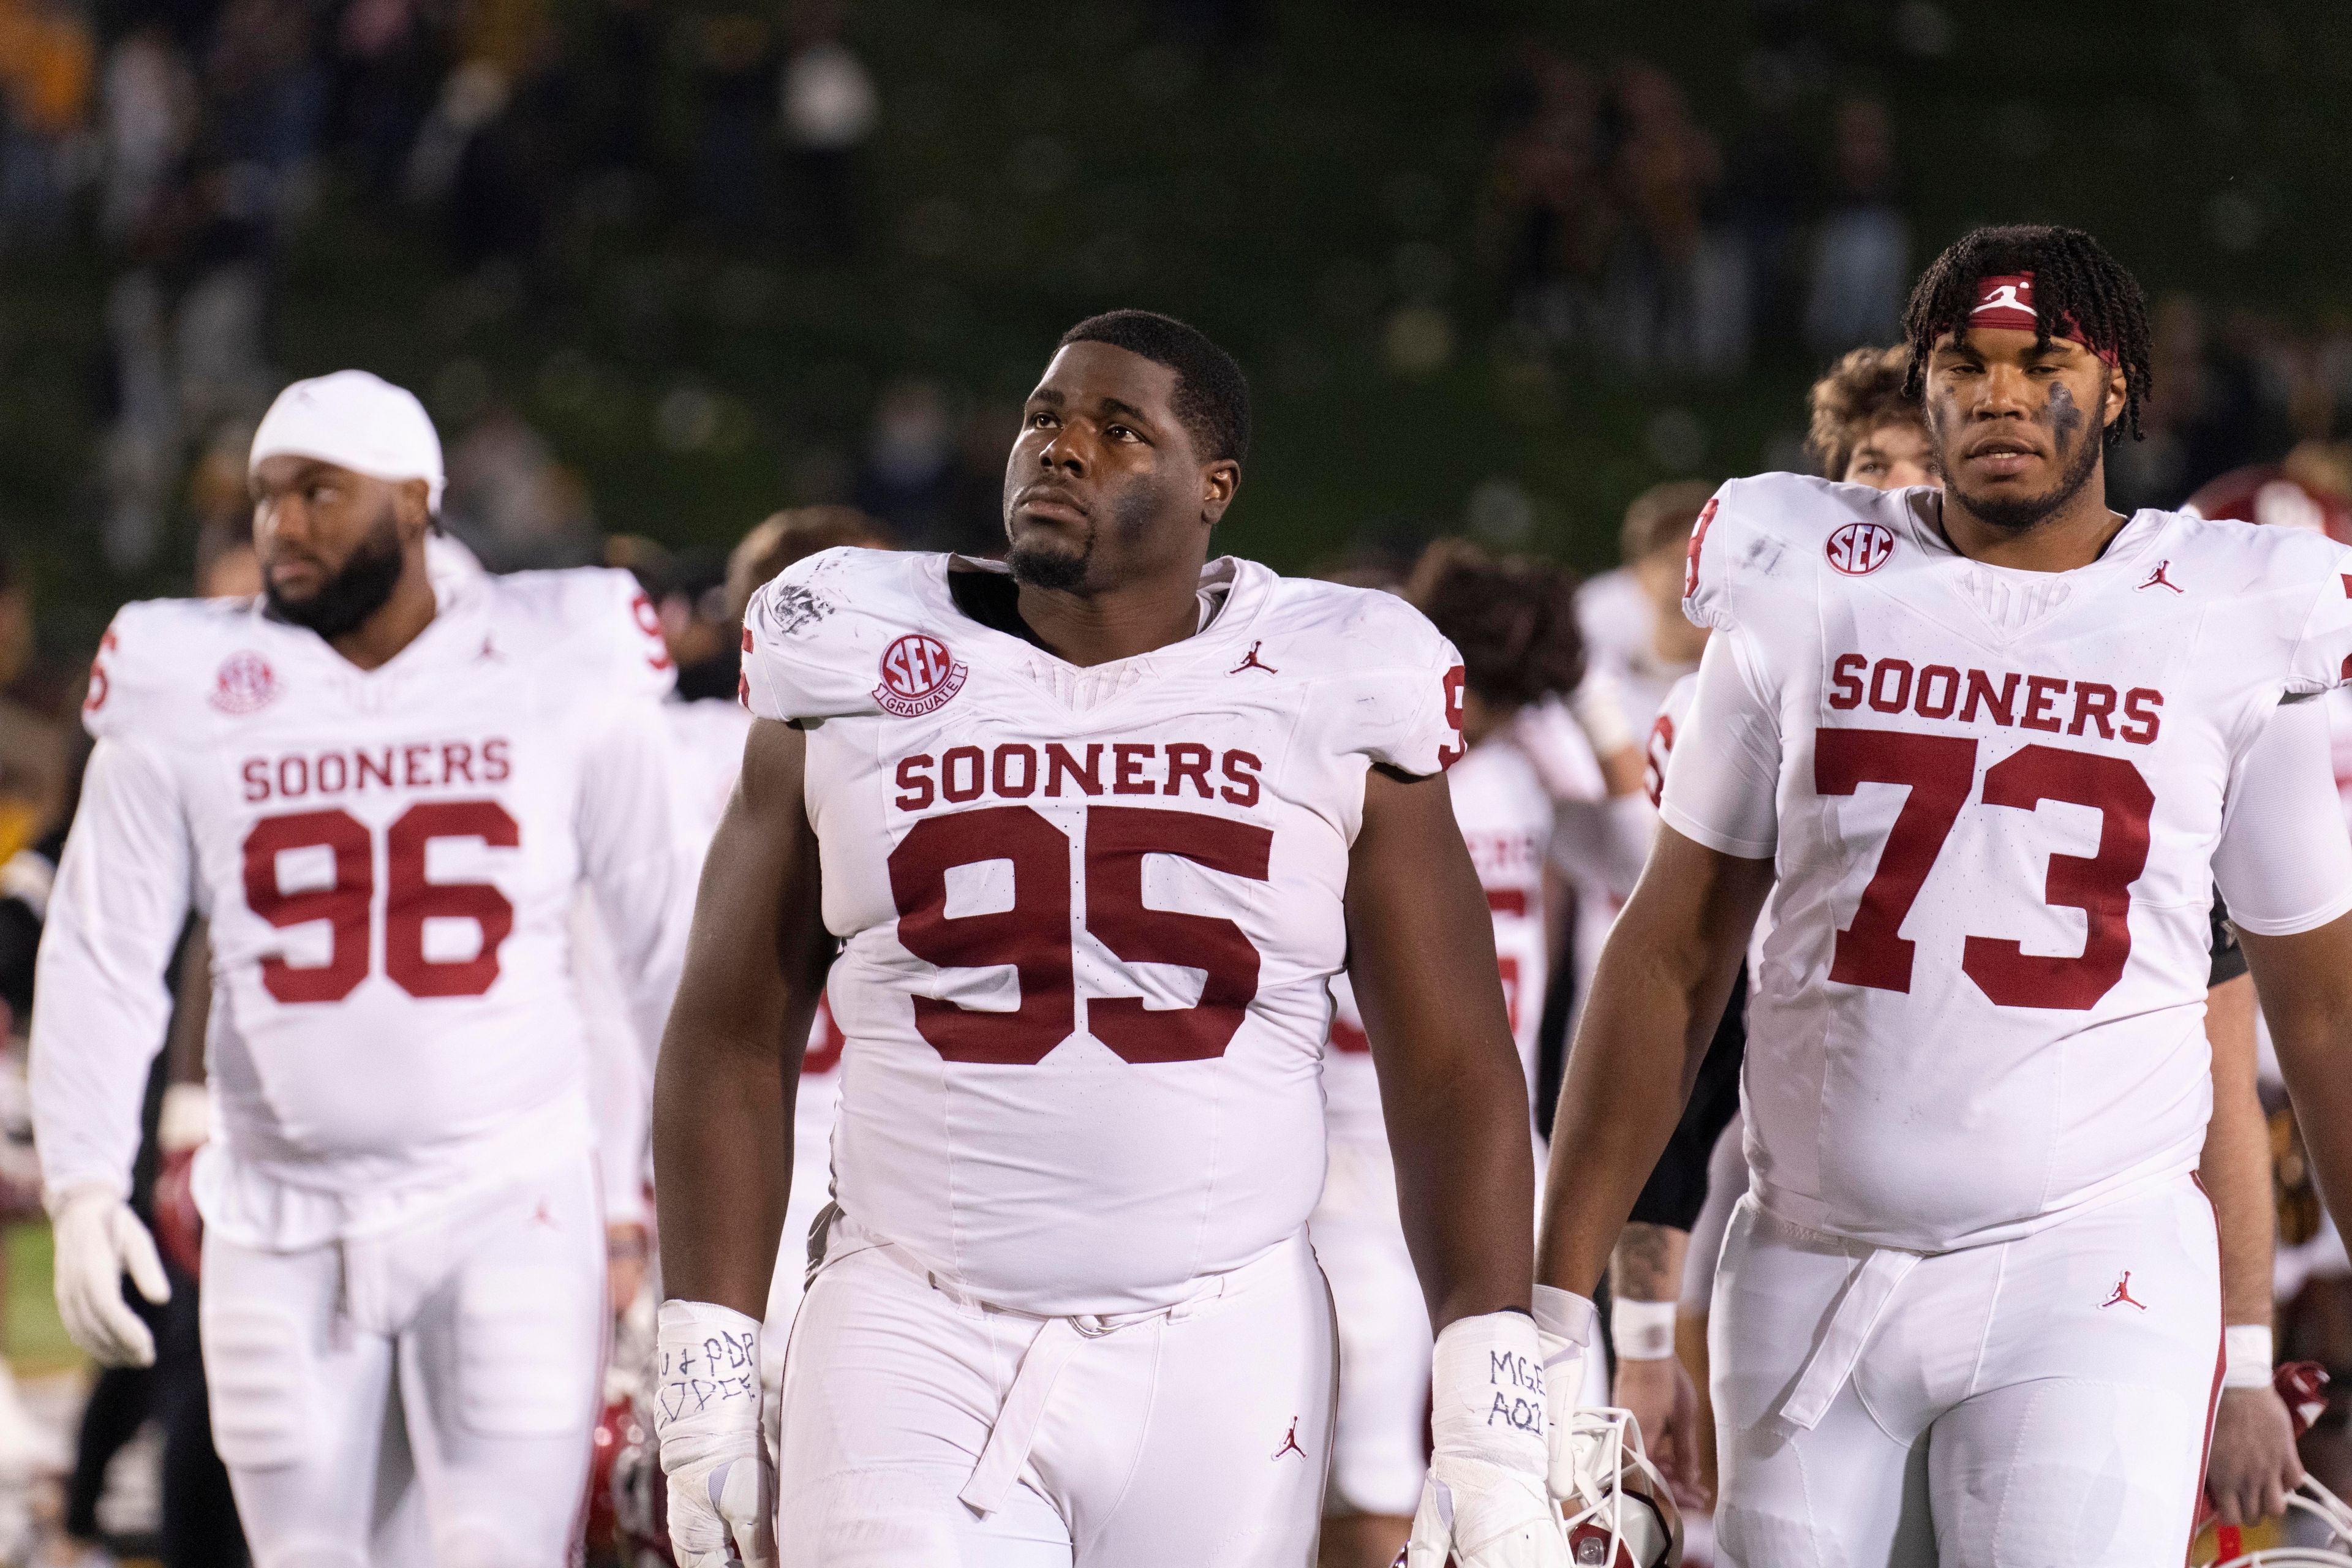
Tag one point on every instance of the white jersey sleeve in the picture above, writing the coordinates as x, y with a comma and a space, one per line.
628, 843
2284, 863
1402, 705
2321, 573
803, 658
1724, 767
120, 899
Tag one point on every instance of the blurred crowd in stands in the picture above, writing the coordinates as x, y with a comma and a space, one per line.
190, 145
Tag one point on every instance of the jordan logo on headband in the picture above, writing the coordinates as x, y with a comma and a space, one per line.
2005, 303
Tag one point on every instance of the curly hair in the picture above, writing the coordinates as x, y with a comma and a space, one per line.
2074, 280
1513, 621
1864, 391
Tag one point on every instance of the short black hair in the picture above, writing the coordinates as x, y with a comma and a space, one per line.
2074, 279
1211, 393
1513, 621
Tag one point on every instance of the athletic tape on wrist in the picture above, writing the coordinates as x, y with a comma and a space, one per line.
2246, 1356
1486, 1392
707, 1377
1641, 1331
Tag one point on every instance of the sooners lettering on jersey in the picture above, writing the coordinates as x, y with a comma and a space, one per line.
386, 859
1088, 915
1994, 798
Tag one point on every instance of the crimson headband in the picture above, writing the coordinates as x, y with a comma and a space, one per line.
2005, 302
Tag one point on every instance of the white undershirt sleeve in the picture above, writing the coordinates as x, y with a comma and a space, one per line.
101, 1001
2285, 861
1724, 775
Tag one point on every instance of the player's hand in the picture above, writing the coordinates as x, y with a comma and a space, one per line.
722, 1490
2254, 1463
99, 1240
1485, 1500
1663, 1398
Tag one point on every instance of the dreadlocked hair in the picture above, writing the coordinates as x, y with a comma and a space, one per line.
2074, 277
1513, 621
1864, 391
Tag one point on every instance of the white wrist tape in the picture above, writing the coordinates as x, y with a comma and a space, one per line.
1599, 704
1486, 1392
2246, 1356
705, 1383
1641, 1331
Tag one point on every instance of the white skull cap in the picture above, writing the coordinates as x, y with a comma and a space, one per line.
357, 421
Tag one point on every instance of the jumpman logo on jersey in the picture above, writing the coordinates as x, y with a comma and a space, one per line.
2123, 1295
2156, 579
1290, 1443
1251, 661
543, 1216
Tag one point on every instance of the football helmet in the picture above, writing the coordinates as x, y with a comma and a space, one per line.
1622, 1514
2318, 1530
2266, 494
2315, 1533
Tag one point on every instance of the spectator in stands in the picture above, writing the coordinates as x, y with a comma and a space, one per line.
1862, 262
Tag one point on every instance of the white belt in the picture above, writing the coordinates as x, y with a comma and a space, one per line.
1858, 1312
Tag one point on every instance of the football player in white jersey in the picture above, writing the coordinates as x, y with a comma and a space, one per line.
1514, 625
1867, 428
1989, 747
382, 791
1094, 832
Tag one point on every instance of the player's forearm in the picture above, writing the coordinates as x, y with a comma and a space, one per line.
1628, 1075
2304, 983
2236, 1164
722, 1140
1647, 1265
1464, 1161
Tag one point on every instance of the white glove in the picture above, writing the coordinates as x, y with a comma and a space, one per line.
1485, 1500
706, 1418
99, 1240
1567, 1326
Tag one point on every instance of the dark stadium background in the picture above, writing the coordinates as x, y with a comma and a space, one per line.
616, 250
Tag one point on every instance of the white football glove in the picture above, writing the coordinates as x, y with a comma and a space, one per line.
98, 1241
723, 1491
1566, 1329
1485, 1500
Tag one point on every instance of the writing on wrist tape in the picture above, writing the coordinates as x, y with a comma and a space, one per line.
2246, 1356
1641, 1331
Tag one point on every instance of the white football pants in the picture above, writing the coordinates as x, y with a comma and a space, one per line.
2033, 1402
480, 1334
923, 1430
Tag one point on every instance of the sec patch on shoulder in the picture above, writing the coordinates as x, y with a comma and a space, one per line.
244, 684
1860, 548
919, 676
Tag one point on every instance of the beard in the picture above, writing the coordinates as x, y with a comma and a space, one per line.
358, 589
2016, 514
1046, 562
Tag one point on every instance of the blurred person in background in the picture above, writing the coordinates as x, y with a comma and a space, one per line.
1862, 261
33, 748
1513, 623
399, 1201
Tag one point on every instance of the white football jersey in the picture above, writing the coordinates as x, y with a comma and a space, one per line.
1088, 914
1506, 817
1998, 802
386, 861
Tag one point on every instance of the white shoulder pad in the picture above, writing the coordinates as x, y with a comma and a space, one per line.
1396, 682
162, 660
596, 621
1766, 534
814, 636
